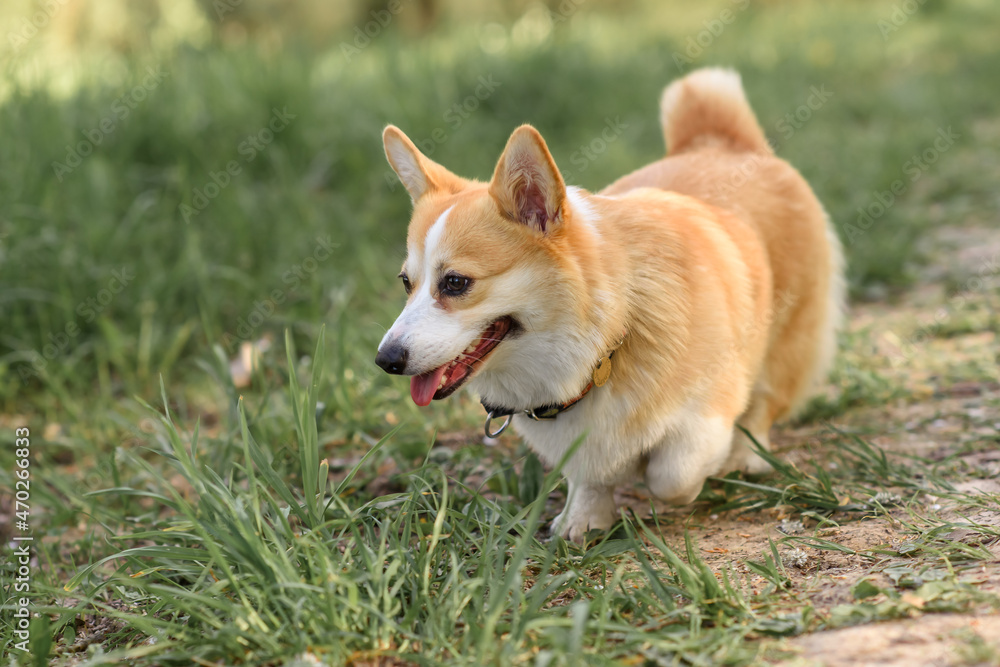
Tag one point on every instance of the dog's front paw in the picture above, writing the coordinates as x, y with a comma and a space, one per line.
575, 528
587, 508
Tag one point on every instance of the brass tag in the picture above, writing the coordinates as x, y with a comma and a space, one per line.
602, 372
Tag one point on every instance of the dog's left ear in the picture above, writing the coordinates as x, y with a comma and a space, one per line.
526, 185
419, 174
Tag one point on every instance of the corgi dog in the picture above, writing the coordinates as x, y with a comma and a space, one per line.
700, 293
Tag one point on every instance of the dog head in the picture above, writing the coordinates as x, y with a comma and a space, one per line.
495, 277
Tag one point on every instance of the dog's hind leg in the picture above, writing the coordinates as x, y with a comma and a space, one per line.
757, 420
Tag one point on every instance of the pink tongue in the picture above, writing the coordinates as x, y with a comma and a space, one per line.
423, 387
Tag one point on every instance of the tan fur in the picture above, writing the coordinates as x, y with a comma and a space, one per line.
804, 254
717, 261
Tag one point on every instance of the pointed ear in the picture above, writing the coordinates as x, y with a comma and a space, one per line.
526, 184
418, 174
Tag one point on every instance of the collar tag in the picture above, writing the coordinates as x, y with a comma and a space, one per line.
602, 371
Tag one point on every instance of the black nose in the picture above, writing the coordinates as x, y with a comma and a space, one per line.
392, 359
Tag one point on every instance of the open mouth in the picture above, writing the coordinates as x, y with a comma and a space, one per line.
445, 379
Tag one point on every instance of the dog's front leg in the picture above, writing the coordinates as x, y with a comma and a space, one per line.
589, 506
698, 447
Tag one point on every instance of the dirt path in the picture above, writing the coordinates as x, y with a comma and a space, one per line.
939, 344
936, 640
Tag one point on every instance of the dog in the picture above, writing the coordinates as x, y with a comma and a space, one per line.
697, 295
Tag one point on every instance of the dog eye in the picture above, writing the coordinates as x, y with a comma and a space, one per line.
454, 284
406, 283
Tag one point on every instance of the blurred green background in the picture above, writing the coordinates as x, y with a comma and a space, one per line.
181, 181
182, 174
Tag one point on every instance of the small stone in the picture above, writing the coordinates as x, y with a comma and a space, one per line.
795, 558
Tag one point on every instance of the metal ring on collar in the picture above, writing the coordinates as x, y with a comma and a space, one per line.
503, 427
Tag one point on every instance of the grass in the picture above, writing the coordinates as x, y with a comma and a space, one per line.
316, 511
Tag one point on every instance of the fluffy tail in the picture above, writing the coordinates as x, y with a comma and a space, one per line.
708, 108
